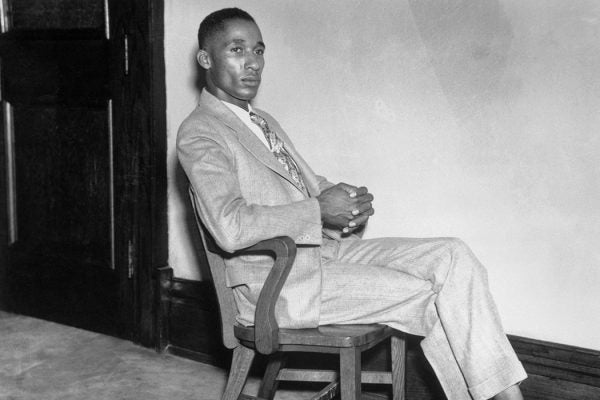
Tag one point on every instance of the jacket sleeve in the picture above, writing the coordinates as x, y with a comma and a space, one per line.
232, 221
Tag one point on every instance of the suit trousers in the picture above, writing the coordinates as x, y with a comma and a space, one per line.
434, 288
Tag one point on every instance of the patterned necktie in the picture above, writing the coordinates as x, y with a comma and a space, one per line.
278, 150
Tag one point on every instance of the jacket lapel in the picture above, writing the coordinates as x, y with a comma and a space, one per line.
246, 137
311, 186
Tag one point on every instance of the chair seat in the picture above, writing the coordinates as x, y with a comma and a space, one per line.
338, 336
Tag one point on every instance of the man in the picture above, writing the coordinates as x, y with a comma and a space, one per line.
252, 184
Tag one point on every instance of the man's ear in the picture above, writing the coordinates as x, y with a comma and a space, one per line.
203, 59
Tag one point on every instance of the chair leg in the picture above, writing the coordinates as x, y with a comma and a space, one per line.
398, 367
269, 383
350, 373
240, 366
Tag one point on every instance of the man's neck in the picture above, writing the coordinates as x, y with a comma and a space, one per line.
247, 107
223, 96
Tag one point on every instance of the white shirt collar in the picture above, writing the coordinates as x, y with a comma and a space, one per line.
245, 117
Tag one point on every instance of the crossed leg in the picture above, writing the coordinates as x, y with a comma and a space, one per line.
434, 288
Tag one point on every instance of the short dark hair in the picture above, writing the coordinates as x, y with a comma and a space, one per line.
215, 22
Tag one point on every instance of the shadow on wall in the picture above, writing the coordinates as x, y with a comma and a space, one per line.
468, 44
182, 186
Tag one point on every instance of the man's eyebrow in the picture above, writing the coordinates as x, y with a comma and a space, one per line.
242, 41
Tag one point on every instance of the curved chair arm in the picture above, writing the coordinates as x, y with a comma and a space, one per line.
266, 330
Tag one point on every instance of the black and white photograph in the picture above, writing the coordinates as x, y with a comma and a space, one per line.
285, 200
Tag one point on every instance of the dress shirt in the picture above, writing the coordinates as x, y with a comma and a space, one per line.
245, 117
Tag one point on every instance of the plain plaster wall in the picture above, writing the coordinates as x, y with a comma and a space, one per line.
478, 119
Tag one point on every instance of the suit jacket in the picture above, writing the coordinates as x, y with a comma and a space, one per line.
244, 195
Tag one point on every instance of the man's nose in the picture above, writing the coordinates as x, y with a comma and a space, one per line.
252, 62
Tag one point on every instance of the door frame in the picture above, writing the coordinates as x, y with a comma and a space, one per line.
154, 233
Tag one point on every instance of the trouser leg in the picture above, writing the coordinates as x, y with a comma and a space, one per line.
430, 287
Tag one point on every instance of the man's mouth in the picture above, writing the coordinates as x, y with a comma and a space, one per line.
251, 80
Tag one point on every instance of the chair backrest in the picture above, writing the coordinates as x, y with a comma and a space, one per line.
227, 307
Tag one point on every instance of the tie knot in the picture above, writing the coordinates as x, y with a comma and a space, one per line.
258, 120
254, 117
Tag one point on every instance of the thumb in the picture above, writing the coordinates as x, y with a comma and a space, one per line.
351, 190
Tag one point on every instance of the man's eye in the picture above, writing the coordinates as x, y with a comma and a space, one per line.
260, 52
236, 49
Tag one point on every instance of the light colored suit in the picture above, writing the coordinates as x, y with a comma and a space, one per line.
245, 195
430, 287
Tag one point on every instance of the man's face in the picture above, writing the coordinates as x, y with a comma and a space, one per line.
234, 61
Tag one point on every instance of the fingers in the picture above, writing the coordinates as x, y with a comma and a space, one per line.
360, 209
361, 191
357, 222
368, 212
362, 204
364, 201
362, 219
346, 206
361, 194
348, 229
364, 197
351, 190
357, 200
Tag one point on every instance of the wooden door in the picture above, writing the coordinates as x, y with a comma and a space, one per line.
72, 150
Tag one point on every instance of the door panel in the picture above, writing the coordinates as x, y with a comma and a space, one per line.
55, 67
61, 77
63, 182
57, 14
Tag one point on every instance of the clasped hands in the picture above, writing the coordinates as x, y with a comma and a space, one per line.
345, 207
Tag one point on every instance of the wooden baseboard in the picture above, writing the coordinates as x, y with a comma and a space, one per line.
188, 323
557, 371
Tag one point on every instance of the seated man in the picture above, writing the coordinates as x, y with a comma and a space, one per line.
252, 184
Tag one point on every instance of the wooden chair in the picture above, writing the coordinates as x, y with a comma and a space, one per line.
348, 341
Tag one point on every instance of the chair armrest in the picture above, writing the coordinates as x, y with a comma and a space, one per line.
266, 330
